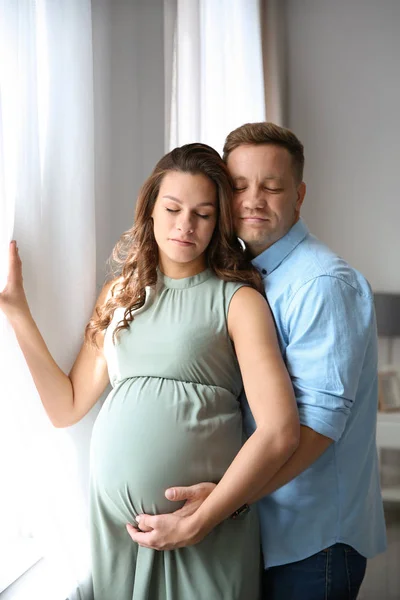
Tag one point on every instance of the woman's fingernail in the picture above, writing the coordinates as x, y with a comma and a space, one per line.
137, 519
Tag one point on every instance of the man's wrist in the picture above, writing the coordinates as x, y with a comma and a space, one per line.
244, 509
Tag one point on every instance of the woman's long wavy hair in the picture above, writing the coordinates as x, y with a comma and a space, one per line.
135, 257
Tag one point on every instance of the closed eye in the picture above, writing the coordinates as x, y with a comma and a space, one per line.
175, 210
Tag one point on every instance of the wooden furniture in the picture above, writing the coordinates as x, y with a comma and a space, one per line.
388, 436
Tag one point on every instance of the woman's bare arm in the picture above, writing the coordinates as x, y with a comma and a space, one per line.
66, 399
271, 398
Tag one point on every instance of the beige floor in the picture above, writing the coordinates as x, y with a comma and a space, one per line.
382, 580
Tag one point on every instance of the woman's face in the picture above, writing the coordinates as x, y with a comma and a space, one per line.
184, 217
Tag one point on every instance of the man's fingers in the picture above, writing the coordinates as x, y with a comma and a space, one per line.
177, 494
187, 510
199, 491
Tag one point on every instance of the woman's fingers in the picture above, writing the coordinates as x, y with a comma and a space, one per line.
12, 299
14, 279
14, 264
12, 254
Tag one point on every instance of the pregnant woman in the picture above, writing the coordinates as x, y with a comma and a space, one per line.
175, 332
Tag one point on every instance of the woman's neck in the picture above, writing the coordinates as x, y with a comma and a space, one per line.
181, 270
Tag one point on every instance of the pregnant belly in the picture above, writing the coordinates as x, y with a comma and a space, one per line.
152, 434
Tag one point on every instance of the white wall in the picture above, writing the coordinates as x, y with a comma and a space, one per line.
343, 98
344, 103
129, 110
343, 81
101, 20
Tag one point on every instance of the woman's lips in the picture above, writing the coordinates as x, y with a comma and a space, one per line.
182, 242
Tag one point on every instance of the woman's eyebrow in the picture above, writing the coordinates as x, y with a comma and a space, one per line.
180, 201
173, 198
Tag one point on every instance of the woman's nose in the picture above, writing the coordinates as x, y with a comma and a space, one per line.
186, 225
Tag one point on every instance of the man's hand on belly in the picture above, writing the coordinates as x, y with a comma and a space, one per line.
178, 529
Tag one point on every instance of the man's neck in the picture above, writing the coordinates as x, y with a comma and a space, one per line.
257, 249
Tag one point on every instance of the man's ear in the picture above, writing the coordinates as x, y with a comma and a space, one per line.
301, 192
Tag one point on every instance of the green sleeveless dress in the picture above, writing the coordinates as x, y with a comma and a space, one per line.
172, 418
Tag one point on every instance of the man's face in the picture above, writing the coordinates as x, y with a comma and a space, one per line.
267, 197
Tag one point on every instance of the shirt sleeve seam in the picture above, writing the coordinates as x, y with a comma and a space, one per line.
314, 278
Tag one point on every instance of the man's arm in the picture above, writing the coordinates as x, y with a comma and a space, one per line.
329, 325
312, 445
271, 399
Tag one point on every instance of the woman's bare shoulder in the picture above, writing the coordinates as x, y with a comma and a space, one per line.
247, 296
248, 309
109, 289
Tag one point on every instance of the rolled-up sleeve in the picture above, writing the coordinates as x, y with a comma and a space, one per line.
328, 324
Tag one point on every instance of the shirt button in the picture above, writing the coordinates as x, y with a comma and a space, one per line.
263, 271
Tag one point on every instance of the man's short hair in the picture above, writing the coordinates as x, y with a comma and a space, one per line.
267, 133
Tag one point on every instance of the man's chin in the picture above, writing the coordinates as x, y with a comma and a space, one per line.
257, 244
251, 238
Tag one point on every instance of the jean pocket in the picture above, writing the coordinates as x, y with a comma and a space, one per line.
356, 565
350, 551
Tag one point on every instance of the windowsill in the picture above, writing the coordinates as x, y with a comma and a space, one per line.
33, 582
16, 558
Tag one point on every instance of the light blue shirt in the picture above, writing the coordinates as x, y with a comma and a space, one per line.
325, 320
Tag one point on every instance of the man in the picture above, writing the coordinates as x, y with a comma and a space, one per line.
321, 514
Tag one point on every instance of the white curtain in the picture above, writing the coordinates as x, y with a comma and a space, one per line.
47, 204
274, 59
214, 77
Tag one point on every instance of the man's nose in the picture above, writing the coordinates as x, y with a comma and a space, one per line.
253, 199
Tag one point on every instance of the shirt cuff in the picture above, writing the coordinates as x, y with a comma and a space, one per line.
330, 423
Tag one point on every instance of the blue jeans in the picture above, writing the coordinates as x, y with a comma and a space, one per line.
332, 574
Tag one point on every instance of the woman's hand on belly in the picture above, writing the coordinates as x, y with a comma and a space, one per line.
178, 529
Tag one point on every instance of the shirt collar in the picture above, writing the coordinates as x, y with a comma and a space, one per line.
272, 257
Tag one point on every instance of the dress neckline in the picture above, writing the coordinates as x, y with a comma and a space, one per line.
185, 282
